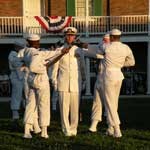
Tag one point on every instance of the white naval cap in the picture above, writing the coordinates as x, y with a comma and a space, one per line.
70, 31
106, 36
115, 32
33, 37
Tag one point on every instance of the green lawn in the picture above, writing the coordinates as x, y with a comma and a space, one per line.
134, 115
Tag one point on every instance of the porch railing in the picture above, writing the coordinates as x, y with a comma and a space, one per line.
11, 26
87, 26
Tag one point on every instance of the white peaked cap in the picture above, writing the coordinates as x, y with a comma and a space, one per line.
106, 35
115, 32
70, 30
33, 37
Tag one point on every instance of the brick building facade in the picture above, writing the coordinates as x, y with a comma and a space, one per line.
128, 7
117, 7
59, 7
11, 8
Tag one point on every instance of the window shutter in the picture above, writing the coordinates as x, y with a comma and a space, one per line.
97, 7
70, 7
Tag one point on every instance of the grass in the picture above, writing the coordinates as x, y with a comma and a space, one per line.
135, 128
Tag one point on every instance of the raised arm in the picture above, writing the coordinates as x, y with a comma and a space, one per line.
129, 61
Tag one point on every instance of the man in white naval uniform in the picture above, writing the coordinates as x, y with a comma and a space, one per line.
117, 55
26, 73
38, 106
67, 79
17, 79
98, 100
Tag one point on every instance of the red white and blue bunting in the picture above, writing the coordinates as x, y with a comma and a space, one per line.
53, 23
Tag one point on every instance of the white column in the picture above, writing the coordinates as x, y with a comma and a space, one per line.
24, 17
87, 7
149, 18
148, 69
148, 54
149, 7
87, 17
88, 79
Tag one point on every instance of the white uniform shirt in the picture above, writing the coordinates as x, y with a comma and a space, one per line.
15, 65
117, 55
36, 61
67, 72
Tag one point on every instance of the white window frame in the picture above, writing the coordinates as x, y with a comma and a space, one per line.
77, 7
86, 4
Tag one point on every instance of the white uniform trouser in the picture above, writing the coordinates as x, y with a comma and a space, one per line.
97, 103
31, 108
69, 102
39, 101
26, 87
16, 95
112, 91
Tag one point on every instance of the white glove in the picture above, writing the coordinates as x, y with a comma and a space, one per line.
54, 86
